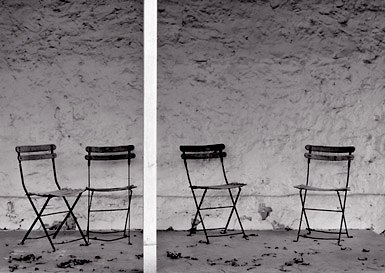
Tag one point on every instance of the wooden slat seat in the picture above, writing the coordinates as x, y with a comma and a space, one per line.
232, 185
310, 188
59, 193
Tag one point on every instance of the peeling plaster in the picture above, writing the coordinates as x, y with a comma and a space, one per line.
11, 212
264, 211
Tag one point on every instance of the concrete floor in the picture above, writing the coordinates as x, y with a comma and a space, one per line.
265, 251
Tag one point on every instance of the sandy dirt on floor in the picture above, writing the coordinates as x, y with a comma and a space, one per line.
264, 251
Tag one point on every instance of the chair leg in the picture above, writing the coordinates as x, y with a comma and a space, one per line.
300, 218
38, 218
65, 218
122, 233
126, 218
346, 227
127, 231
303, 214
307, 222
234, 208
193, 223
70, 212
343, 220
198, 213
239, 219
90, 196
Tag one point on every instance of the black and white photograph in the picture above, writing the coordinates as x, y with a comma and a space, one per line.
192, 136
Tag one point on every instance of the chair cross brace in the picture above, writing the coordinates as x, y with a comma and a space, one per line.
224, 230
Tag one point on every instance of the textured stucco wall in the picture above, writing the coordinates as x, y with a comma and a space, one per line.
264, 77
71, 74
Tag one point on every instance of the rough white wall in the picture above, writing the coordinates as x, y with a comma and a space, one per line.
71, 74
264, 77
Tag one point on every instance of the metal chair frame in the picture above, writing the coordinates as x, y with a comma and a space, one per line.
332, 154
214, 151
46, 152
110, 153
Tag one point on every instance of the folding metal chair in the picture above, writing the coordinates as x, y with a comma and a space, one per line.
45, 153
209, 154
109, 155
339, 157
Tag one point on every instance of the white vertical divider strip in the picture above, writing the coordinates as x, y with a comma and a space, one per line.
150, 136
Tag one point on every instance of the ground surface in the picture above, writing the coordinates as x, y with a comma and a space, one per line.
265, 251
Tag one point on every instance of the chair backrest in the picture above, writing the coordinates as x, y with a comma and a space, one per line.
330, 154
110, 153
203, 152
33, 153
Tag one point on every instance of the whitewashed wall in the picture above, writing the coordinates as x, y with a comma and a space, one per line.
264, 77
71, 74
